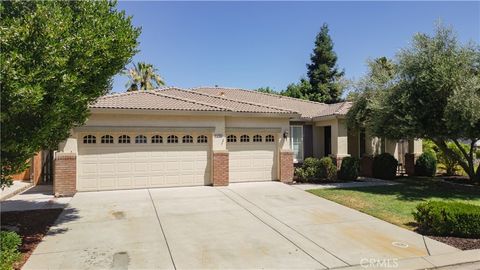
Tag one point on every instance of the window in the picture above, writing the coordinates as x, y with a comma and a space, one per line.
187, 139
89, 139
172, 139
140, 139
231, 138
202, 139
124, 139
269, 138
257, 138
107, 139
157, 139
296, 142
244, 138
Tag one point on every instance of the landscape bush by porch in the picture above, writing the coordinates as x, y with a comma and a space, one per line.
317, 169
309, 170
9, 242
349, 169
448, 218
426, 164
384, 166
327, 169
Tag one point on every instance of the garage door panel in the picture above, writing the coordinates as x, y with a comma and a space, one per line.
252, 162
107, 167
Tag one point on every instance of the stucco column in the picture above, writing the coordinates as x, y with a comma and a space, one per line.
339, 141
415, 149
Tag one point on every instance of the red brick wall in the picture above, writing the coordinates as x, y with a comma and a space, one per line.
286, 166
220, 168
65, 174
366, 166
410, 164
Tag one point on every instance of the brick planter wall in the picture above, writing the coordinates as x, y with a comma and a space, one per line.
410, 164
366, 166
286, 166
65, 174
220, 168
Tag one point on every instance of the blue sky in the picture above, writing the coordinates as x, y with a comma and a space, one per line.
255, 44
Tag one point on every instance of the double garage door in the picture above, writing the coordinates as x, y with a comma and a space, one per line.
147, 163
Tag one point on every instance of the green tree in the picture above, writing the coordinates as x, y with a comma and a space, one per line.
266, 90
434, 94
323, 73
142, 76
57, 58
298, 90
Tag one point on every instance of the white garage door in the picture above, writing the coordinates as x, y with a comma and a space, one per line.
252, 162
127, 166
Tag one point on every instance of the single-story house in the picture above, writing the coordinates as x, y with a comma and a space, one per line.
205, 136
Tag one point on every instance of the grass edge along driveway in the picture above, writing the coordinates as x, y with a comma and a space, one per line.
396, 203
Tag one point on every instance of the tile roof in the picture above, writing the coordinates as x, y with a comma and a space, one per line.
224, 102
151, 100
220, 99
307, 109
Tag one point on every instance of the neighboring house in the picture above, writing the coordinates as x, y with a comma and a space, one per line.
205, 136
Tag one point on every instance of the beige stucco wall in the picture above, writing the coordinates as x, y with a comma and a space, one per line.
156, 120
339, 135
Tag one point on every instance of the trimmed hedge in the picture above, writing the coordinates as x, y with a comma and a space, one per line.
426, 164
349, 169
327, 169
309, 170
448, 218
384, 166
9, 242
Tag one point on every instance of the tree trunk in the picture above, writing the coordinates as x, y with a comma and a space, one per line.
468, 166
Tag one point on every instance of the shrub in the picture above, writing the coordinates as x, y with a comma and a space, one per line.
327, 169
384, 166
9, 241
448, 218
309, 169
426, 164
349, 169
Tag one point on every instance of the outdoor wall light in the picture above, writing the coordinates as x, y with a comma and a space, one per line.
285, 134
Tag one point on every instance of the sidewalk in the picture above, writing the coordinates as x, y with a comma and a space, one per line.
17, 187
38, 197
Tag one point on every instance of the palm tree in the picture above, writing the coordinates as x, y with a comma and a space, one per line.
142, 76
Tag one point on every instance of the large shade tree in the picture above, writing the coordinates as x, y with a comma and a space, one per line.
143, 76
57, 57
434, 93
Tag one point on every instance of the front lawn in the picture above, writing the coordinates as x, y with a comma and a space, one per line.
396, 203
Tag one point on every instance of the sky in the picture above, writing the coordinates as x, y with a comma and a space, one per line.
258, 44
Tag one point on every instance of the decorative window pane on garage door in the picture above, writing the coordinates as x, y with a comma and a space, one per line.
140, 139
88, 139
257, 138
124, 139
244, 138
269, 138
187, 139
157, 139
202, 139
172, 139
107, 139
232, 138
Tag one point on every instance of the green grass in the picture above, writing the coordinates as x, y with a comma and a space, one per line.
395, 204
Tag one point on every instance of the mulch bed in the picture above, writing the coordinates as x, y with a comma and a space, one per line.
32, 226
460, 243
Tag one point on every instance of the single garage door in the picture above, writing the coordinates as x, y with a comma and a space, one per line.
252, 161
110, 166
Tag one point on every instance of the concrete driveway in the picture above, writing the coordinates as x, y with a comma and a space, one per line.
249, 225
